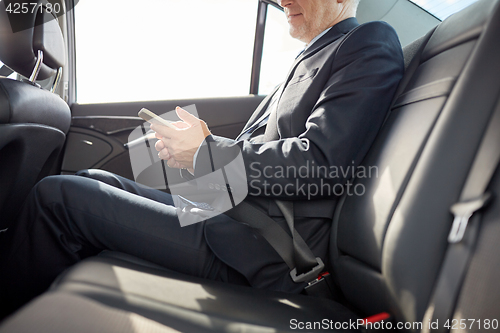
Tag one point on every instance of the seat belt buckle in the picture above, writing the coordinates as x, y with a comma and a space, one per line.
463, 211
323, 287
308, 276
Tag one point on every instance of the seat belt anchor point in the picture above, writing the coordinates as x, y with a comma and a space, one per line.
463, 211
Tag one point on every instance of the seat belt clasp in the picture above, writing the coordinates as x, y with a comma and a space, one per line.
322, 287
463, 211
308, 276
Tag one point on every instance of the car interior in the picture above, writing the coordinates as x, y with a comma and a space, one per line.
406, 252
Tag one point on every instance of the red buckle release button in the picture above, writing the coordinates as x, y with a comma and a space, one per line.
376, 318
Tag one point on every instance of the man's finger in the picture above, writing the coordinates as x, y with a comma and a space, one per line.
164, 154
159, 145
186, 116
181, 124
162, 131
171, 163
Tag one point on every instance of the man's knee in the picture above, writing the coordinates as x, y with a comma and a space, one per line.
58, 189
96, 174
50, 187
92, 173
85, 173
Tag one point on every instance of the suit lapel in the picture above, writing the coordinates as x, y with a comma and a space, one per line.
260, 112
337, 31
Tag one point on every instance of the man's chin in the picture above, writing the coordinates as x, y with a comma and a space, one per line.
297, 33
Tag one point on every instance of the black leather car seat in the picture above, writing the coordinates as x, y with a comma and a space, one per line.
33, 121
387, 245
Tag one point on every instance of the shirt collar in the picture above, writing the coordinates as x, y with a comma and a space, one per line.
316, 38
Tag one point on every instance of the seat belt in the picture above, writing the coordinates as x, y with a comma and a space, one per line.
305, 267
294, 251
465, 228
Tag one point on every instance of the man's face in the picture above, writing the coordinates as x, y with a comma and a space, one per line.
308, 18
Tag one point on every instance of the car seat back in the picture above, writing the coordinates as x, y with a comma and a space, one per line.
33, 121
387, 245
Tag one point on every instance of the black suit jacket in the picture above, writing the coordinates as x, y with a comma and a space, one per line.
334, 102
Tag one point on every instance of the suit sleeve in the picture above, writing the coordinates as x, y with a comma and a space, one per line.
340, 129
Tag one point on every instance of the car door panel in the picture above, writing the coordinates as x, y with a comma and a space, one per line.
99, 132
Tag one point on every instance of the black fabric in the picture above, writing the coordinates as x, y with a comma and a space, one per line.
278, 238
290, 246
317, 123
321, 123
59, 228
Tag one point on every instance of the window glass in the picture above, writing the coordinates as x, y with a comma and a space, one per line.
163, 49
443, 8
280, 50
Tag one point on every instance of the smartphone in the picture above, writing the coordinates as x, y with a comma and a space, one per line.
153, 118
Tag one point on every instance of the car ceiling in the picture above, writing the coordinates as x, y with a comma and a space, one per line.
409, 20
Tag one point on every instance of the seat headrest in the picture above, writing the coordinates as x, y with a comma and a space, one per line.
23, 35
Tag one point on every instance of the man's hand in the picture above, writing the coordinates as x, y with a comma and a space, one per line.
178, 146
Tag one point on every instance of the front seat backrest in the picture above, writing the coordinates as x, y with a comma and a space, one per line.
33, 121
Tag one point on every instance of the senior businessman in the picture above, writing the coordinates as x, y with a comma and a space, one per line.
326, 113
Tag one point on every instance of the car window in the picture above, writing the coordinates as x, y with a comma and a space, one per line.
443, 8
163, 49
280, 50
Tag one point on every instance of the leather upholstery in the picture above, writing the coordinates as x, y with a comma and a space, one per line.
394, 236
24, 103
387, 245
175, 299
33, 121
19, 49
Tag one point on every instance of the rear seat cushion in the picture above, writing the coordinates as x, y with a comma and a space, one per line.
46, 312
176, 300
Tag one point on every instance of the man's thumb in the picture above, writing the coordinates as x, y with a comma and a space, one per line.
186, 116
